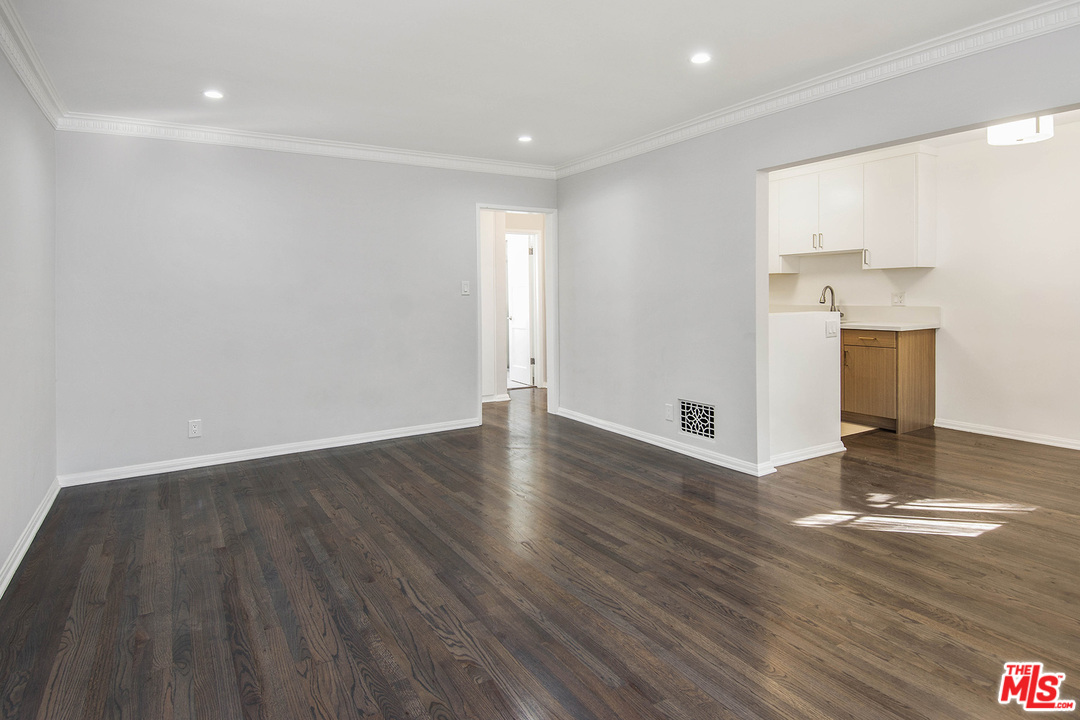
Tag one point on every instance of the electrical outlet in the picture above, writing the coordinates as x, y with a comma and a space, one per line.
669, 412
899, 299
194, 428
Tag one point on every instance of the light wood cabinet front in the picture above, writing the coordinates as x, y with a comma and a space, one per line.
887, 379
869, 381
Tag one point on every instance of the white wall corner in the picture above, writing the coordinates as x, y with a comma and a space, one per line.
15, 557
732, 463
189, 463
1005, 30
20, 52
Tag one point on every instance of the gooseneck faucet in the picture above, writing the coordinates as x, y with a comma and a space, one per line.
832, 299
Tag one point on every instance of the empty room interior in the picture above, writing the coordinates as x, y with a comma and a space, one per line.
508, 361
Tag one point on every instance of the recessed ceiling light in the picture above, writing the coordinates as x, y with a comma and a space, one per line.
524, 138
214, 94
701, 58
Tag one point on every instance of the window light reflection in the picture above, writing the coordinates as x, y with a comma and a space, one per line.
949, 505
916, 524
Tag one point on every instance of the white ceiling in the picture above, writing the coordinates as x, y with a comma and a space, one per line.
462, 77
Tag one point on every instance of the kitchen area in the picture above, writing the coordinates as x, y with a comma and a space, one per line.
909, 284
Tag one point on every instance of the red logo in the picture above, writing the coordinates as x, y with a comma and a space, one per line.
1032, 689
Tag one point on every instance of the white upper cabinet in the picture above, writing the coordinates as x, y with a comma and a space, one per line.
820, 212
797, 214
900, 211
841, 209
882, 203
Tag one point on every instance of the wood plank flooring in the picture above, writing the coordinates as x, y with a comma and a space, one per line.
540, 568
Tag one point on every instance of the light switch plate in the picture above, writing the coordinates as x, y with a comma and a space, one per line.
465, 288
832, 328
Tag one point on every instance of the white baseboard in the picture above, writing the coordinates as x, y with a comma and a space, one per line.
505, 397
1006, 433
794, 456
682, 448
15, 557
156, 468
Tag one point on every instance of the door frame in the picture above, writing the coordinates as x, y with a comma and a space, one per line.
551, 301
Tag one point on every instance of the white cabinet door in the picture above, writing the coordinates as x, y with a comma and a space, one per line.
890, 213
840, 202
797, 216
778, 263
899, 212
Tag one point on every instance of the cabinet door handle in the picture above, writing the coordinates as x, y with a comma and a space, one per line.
866, 257
813, 240
867, 338
821, 240
845, 358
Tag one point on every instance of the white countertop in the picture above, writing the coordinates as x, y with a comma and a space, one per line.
888, 326
878, 317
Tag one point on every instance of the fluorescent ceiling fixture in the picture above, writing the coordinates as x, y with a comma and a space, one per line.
214, 94
701, 58
1022, 131
524, 138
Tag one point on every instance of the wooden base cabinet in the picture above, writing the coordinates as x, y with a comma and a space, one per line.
887, 379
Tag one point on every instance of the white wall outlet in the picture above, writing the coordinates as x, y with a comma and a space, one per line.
194, 428
465, 288
899, 299
669, 412
832, 328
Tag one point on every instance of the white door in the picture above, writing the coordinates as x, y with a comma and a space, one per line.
519, 308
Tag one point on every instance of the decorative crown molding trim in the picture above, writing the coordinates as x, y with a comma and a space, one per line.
81, 122
1023, 25
20, 53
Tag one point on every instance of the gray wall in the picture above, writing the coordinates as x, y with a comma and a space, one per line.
663, 278
278, 298
27, 326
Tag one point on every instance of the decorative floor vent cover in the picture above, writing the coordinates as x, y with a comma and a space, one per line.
697, 418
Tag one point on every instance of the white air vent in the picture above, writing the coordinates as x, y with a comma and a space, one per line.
697, 418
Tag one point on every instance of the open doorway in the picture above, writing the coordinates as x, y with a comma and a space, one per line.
971, 257
516, 295
522, 309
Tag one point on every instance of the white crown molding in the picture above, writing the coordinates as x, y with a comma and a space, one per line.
1023, 25
188, 463
732, 463
24, 59
130, 127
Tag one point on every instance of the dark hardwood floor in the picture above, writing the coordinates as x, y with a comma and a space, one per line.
540, 568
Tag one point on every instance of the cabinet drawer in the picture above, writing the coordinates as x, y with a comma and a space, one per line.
870, 338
